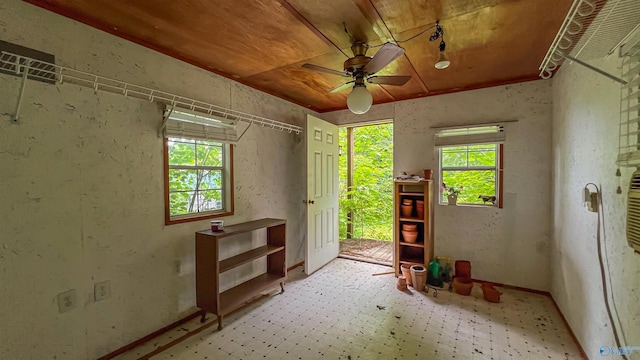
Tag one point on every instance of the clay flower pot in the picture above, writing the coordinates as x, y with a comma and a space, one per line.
407, 210
409, 227
420, 208
402, 283
462, 286
407, 202
410, 236
463, 269
427, 173
490, 293
406, 272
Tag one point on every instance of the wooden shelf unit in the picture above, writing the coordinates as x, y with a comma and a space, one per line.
420, 252
209, 266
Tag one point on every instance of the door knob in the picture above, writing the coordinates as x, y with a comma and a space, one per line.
308, 202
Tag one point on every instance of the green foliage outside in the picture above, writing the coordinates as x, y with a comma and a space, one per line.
372, 194
195, 176
469, 166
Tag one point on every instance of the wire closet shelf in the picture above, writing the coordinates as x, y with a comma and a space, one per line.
581, 12
50, 73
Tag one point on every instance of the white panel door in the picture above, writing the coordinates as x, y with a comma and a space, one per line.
322, 194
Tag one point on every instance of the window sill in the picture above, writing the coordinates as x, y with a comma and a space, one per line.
193, 217
471, 205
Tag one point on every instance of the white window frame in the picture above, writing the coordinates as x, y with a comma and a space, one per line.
226, 183
468, 135
497, 168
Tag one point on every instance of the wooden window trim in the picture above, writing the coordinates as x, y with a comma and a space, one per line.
167, 211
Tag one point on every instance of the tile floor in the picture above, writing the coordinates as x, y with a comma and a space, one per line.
342, 312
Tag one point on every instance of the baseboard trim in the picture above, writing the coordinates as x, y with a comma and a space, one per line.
566, 324
154, 334
548, 294
295, 266
539, 292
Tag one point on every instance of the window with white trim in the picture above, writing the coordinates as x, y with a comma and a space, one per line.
471, 164
198, 166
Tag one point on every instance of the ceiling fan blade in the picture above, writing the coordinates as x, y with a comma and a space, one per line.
389, 80
387, 53
325, 70
341, 87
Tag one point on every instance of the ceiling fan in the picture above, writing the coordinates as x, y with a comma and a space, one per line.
362, 68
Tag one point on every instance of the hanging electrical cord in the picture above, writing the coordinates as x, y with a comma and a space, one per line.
439, 33
600, 211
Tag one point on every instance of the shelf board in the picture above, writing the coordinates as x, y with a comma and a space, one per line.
419, 245
412, 182
243, 228
421, 194
412, 219
245, 257
238, 295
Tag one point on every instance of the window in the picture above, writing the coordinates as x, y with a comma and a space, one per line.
471, 157
198, 179
475, 167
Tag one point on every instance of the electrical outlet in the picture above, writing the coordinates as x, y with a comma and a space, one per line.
67, 300
102, 290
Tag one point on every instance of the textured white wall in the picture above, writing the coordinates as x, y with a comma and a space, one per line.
585, 140
509, 245
81, 192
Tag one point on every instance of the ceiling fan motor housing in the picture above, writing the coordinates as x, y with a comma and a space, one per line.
356, 63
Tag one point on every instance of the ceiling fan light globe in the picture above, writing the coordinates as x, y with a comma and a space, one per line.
443, 61
359, 100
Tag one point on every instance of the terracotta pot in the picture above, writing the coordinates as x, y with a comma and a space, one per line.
407, 210
427, 173
462, 286
407, 202
420, 208
463, 269
409, 227
490, 293
402, 283
410, 236
406, 272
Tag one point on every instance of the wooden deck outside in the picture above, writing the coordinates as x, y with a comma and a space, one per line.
376, 250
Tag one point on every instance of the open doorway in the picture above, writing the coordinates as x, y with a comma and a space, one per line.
366, 192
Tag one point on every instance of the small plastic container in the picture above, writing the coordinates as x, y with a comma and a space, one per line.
217, 225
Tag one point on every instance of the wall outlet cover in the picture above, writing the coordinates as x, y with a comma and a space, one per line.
102, 290
67, 300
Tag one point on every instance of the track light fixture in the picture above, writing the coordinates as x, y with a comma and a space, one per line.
443, 61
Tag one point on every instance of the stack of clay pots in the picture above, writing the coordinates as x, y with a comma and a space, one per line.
410, 232
407, 208
406, 273
420, 208
462, 282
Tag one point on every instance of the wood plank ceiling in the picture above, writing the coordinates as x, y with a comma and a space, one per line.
263, 43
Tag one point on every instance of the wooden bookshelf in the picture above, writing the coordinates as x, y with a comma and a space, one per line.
420, 252
209, 266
